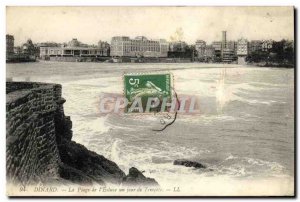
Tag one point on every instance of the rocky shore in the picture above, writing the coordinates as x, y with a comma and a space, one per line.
40, 147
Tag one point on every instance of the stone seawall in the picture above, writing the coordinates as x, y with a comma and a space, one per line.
31, 149
38, 141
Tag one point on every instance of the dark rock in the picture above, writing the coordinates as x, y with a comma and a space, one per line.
136, 178
39, 137
76, 176
61, 101
187, 163
93, 165
63, 126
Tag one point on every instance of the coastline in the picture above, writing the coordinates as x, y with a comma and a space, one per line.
40, 148
252, 64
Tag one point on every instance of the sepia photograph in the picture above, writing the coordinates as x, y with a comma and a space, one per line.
150, 101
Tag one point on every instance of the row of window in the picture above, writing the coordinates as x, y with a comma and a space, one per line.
134, 48
135, 41
69, 52
128, 44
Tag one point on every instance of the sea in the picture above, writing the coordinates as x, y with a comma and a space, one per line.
243, 132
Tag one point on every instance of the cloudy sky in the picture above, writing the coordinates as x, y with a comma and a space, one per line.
91, 24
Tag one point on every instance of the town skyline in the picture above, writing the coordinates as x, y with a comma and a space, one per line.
188, 24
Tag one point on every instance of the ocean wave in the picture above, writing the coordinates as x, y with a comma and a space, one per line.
269, 85
205, 119
236, 166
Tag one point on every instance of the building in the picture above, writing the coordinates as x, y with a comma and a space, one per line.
74, 49
228, 49
200, 48
104, 48
46, 47
229, 44
209, 53
71, 52
49, 44
228, 55
242, 50
242, 47
75, 43
103, 44
217, 46
224, 51
164, 47
232, 45
224, 43
255, 46
200, 44
267, 45
9, 44
123, 46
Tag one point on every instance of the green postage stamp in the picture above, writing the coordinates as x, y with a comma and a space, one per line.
147, 92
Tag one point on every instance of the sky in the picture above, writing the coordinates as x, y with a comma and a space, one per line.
91, 24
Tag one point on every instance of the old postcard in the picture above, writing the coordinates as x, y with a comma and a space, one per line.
150, 101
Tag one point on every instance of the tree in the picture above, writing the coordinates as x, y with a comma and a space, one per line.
29, 48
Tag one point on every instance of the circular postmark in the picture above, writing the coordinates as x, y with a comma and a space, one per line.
168, 117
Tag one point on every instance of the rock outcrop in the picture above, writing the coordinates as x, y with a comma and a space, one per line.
39, 144
136, 178
93, 165
187, 163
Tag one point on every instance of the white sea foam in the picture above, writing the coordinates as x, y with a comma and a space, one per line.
128, 142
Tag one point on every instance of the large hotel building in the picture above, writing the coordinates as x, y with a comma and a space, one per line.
123, 46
